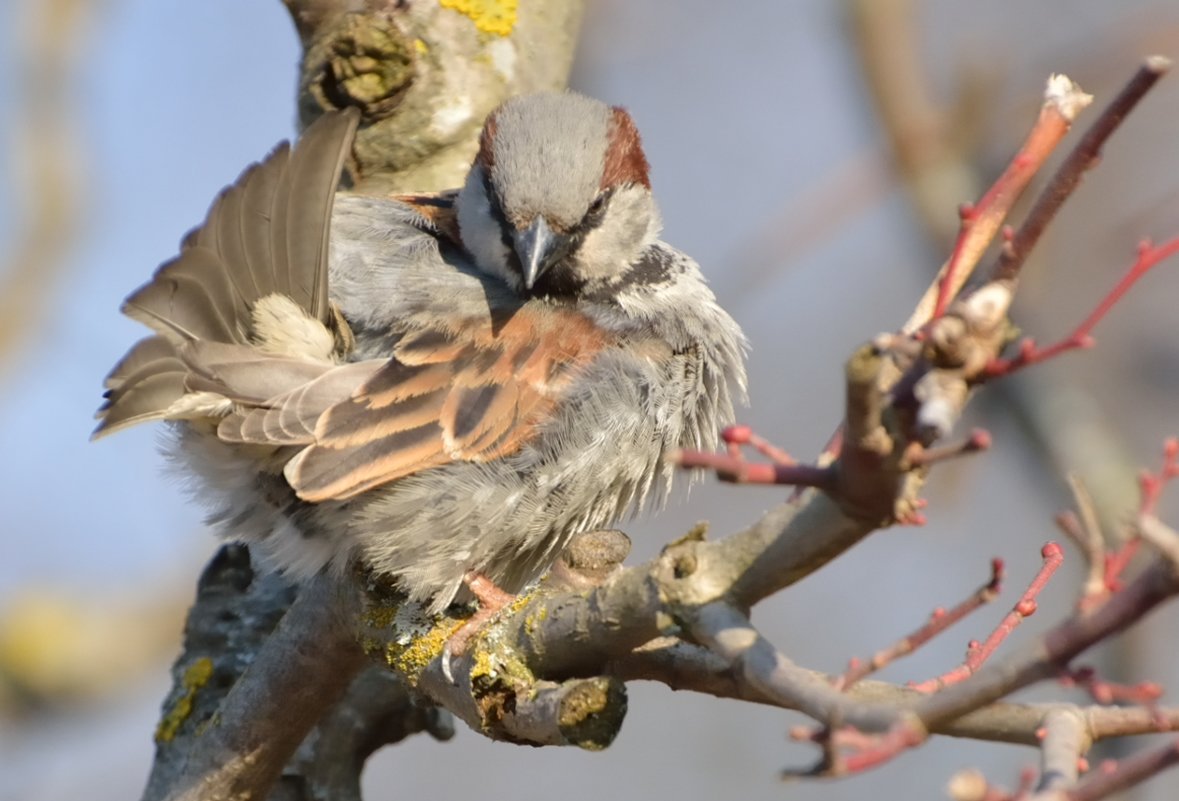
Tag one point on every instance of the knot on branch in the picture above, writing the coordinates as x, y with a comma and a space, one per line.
589, 559
361, 59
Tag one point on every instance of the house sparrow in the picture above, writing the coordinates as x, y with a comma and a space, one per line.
443, 387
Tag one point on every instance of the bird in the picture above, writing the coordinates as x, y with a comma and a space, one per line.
444, 388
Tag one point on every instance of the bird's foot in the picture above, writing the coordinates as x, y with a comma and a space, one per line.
491, 599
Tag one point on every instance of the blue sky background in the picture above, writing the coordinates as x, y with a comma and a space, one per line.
749, 114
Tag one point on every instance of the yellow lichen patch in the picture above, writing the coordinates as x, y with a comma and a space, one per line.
485, 668
518, 603
411, 657
496, 671
421, 46
496, 17
380, 617
196, 677
534, 619
592, 711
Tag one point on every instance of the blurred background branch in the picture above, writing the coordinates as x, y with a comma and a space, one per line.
47, 163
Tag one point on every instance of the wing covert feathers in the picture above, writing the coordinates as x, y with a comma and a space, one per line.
473, 391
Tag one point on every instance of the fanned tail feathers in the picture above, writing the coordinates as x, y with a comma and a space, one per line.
266, 234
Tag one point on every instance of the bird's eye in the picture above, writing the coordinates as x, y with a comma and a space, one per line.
598, 205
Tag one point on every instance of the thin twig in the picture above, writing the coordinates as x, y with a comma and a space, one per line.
1150, 488
978, 654
939, 621
1085, 532
1078, 162
1082, 336
1063, 101
1111, 778
1109, 692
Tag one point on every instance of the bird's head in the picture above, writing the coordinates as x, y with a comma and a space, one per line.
558, 201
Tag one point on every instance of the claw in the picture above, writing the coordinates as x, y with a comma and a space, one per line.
491, 599
447, 664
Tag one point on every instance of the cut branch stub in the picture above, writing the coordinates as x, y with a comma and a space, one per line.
362, 60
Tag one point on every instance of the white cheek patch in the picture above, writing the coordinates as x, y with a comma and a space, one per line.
631, 224
481, 233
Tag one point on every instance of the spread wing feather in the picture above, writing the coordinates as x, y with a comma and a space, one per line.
265, 234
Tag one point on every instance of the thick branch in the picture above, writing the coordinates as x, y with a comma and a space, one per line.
684, 666
300, 672
1063, 744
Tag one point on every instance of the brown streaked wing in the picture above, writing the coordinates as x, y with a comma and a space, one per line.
320, 473
485, 402
438, 212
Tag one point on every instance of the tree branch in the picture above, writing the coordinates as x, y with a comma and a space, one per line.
550, 668
302, 669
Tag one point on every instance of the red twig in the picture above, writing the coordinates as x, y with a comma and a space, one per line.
1107, 692
732, 465
1068, 175
978, 653
1151, 486
738, 435
869, 751
979, 222
739, 471
1117, 562
919, 456
1081, 337
1111, 777
938, 622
